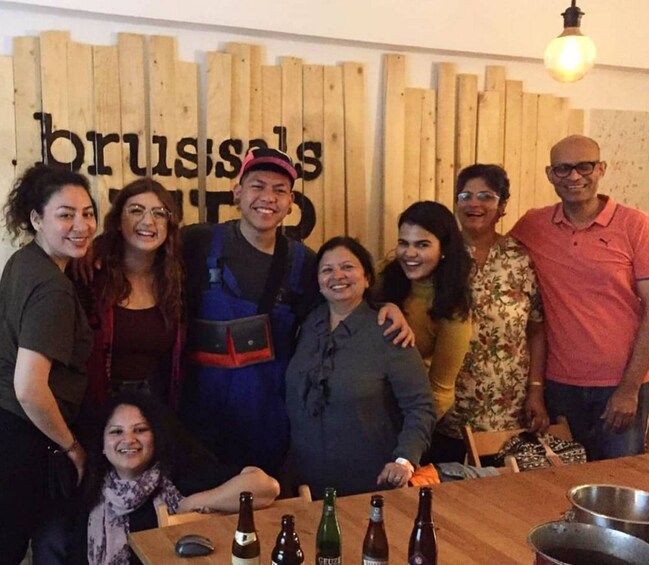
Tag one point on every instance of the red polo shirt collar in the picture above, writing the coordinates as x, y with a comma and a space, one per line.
603, 218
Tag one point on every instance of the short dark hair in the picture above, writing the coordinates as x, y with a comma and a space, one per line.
33, 190
494, 176
362, 254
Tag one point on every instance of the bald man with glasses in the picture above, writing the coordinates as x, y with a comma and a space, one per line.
592, 260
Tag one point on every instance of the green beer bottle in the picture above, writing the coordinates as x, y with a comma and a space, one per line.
328, 544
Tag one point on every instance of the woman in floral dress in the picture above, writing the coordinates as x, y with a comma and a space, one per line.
500, 385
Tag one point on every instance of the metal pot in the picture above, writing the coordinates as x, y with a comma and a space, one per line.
573, 543
611, 506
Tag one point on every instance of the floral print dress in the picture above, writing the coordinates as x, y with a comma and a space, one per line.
491, 387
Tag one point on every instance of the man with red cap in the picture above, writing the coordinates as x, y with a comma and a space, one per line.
248, 288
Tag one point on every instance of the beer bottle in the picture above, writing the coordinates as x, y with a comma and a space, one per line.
375, 544
287, 550
328, 538
245, 545
422, 549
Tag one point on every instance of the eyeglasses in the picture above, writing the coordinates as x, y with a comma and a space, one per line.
482, 196
137, 212
564, 170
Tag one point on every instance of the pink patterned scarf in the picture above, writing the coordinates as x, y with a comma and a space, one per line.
108, 523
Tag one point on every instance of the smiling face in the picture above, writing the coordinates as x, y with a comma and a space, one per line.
264, 198
476, 215
128, 442
576, 188
418, 252
65, 228
144, 222
342, 278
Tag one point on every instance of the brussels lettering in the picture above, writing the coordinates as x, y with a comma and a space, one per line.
180, 160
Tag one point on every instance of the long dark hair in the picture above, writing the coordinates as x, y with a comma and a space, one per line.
451, 276
33, 190
167, 264
163, 444
356, 249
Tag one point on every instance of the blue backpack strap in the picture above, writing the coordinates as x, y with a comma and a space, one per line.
218, 272
297, 253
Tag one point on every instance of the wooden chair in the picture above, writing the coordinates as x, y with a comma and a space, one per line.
479, 444
304, 495
166, 519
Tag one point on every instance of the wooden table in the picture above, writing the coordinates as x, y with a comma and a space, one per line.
479, 521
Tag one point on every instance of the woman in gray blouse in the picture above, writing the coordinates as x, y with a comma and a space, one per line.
361, 409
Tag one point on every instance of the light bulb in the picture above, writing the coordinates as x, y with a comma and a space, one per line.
570, 56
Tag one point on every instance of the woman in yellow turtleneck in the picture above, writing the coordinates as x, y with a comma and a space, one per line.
429, 280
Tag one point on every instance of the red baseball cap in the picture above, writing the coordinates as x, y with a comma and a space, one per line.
268, 159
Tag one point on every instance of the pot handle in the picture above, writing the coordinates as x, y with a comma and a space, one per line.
569, 515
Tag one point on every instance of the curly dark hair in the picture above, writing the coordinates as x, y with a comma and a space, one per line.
163, 443
356, 249
494, 176
450, 277
167, 265
33, 190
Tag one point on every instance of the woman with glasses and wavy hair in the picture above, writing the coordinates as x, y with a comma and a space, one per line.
135, 304
500, 385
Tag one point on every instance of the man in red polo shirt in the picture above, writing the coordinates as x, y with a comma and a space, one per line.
592, 260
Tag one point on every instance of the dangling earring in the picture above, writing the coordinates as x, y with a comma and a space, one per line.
442, 257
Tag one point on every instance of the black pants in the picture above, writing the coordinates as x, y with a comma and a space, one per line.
23, 484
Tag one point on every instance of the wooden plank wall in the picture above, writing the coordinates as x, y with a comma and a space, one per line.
132, 109
499, 124
624, 142
120, 112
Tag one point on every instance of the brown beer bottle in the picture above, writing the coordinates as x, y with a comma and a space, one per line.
287, 550
422, 549
375, 544
245, 545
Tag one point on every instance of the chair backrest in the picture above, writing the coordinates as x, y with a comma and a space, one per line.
166, 519
304, 495
479, 444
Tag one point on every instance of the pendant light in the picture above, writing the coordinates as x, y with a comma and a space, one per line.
571, 55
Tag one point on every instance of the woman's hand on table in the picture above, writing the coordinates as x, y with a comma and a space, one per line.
394, 475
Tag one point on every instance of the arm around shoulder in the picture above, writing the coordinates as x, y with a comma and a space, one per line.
409, 382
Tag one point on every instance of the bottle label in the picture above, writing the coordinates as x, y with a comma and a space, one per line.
329, 560
245, 538
376, 514
374, 561
240, 561
419, 559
